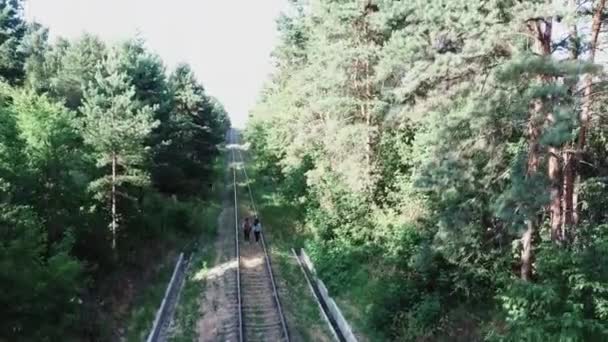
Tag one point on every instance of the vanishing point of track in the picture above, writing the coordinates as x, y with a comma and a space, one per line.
260, 316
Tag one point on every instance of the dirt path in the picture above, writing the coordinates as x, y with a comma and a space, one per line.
219, 308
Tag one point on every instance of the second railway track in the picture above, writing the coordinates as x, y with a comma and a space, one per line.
260, 316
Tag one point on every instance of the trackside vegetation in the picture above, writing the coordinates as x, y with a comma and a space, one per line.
106, 166
448, 160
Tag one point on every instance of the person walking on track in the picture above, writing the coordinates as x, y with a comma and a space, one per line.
257, 229
246, 228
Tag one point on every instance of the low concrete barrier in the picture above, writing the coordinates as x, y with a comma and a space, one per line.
322, 307
334, 311
171, 290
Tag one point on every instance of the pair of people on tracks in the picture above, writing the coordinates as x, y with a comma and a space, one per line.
256, 227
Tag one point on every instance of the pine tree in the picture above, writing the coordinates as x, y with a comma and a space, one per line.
116, 127
12, 157
190, 136
71, 66
148, 75
12, 32
36, 48
40, 277
55, 154
571, 187
340, 88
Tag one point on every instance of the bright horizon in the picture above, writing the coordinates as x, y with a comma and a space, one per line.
227, 42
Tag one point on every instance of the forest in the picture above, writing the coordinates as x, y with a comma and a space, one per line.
448, 161
445, 162
105, 160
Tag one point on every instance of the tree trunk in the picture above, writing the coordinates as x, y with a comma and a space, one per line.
526, 252
568, 154
555, 207
568, 193
554, 153
533, 135
369, 122
586, 110
538, 114
114, 216
571, 194
365, 95
534, 130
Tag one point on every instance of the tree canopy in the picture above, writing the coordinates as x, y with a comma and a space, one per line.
448, 158
84, 126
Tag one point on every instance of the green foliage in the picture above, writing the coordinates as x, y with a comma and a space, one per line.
12, 158
116, 128
66, 109
204, 217
72, 66
404, 131
40, 283
36, 46
142, 317
163, 216
569, 302
58, 167
187, 142
12, 32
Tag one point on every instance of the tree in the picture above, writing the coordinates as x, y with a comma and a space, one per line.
79, 125
190, 134
571, 185
116, 127
40, 281
472, 106
12, 159
72, 66
148, 75
220, 121
12, 32
36, 48
56, 159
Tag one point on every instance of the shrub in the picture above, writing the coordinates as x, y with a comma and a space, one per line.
569, 301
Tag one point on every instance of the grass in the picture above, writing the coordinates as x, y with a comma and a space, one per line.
187, 312
202, 252
147, 302
289, 232
351, 309
280, 220
144, 310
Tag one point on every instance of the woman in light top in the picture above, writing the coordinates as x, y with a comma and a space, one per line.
257, 229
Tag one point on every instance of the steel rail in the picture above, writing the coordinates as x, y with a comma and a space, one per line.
236, 239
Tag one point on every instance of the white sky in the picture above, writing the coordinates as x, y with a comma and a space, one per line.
227, 42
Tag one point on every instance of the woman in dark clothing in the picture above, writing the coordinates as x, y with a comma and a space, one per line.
246, 228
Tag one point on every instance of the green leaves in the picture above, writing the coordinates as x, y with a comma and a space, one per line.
12, 32
440, 108
39, 284
568, 301
89, 118
188, 137
71, 66
116, 127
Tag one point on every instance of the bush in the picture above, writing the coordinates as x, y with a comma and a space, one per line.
569, 302
39, 292
162, 215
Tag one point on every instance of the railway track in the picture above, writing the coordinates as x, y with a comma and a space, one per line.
260, 316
